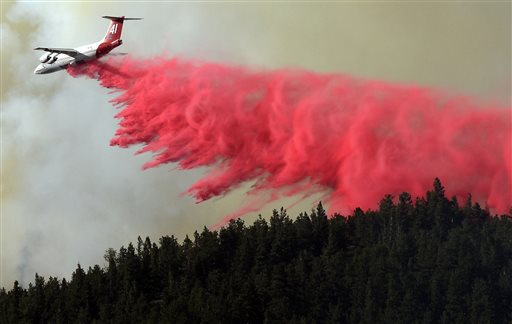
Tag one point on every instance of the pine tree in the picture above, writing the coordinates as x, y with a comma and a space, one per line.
431, 261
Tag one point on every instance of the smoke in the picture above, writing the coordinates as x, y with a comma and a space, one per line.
67, 195
294, 131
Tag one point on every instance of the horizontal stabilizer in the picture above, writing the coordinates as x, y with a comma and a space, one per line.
120, 19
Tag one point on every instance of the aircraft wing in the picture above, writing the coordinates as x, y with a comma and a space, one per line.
68, 51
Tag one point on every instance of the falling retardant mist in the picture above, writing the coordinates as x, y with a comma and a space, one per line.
294, 132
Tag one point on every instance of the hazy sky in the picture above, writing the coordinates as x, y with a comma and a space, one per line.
67, 195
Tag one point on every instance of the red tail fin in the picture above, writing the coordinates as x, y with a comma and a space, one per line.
114, 29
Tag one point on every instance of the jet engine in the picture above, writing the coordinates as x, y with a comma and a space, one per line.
45, 58
53, 59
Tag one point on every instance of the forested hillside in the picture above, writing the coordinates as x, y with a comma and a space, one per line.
414, 260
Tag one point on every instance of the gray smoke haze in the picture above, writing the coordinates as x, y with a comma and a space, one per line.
68, 196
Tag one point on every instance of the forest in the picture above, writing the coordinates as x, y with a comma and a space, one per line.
429, 259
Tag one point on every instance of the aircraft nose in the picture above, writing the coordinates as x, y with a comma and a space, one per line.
39, 69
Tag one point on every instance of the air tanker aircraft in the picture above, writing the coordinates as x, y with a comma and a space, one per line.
60, 58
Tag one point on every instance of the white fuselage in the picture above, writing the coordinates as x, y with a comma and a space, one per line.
62, 61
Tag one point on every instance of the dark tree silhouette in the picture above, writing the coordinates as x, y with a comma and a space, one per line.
414, 260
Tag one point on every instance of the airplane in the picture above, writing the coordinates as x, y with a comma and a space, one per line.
58, 59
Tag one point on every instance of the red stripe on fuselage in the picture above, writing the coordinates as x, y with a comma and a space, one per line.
106, 47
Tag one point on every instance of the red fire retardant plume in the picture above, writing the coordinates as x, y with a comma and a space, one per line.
292, 131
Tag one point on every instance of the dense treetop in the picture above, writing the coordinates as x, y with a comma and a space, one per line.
428, 260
